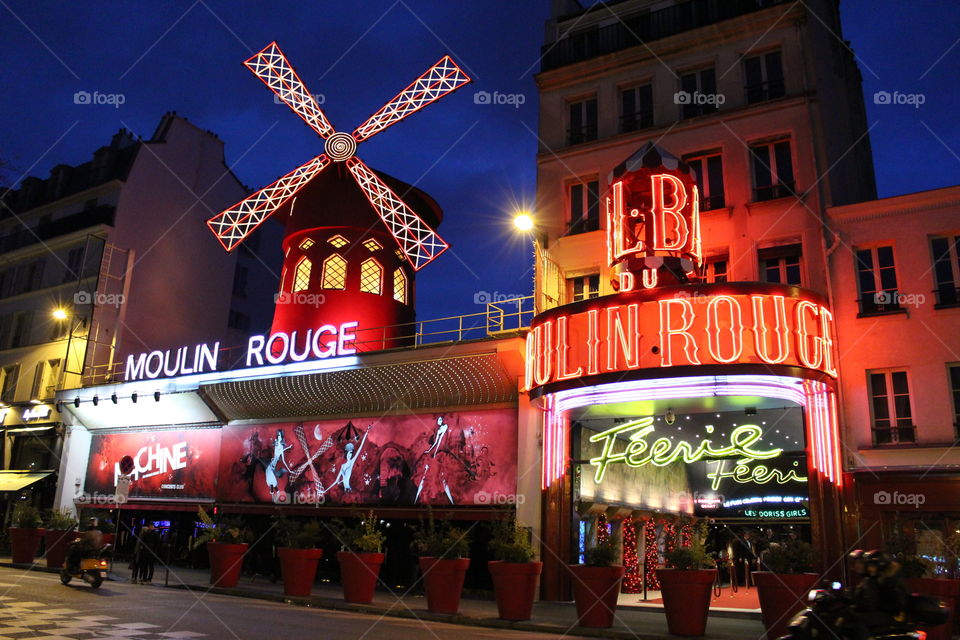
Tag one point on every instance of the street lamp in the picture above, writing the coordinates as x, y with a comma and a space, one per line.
59, 313
523, 221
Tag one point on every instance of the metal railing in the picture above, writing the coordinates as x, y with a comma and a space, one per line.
499, 319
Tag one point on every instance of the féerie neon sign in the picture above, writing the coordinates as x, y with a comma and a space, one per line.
663, 451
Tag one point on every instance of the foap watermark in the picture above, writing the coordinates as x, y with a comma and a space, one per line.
99, 299
915, 300
112, 99
301, 298
310, 497
497, 498
487, 297
97, 498
912, 99
898, 498
512, 99
319, 98
699, 98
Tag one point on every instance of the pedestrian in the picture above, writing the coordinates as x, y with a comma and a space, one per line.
148, 550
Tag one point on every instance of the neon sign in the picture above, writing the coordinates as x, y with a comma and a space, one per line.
755, 324
321, 343
664, 451
742, 472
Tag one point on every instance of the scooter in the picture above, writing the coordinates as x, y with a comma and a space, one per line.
831, 616
91, 569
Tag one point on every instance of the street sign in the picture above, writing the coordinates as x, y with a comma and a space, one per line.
126, 465
123, 489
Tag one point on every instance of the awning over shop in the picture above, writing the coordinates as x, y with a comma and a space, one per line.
16, 480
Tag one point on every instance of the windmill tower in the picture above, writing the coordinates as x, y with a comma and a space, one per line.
351, 245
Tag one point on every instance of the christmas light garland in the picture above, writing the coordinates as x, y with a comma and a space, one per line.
633, 577
650, 555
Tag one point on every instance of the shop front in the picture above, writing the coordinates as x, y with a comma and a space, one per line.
31, 454
673, 400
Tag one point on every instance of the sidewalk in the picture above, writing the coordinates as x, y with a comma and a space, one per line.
634, 620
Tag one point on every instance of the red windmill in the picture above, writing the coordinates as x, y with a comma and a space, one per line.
334, 243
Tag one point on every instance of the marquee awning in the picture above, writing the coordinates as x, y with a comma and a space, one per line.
16, 480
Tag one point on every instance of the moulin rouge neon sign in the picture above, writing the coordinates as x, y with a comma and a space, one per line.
636, 451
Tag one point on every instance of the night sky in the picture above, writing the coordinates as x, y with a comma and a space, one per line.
477, 160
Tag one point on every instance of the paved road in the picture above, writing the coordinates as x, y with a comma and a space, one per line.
35, 605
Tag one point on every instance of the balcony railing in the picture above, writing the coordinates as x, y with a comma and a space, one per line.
25, 237
763, 91
635, 121
947, 295
631, 31
773, 191
579, 135
901, 434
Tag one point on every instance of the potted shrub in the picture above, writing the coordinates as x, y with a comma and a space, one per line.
686, 586
515, 574
596, 586
360, 558
298, 553
784, 585
25, 533
58, 534
226, 545
442, 550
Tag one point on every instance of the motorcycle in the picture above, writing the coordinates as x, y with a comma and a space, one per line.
92, 569
831, 615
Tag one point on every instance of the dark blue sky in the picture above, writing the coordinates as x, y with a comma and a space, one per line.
186, 56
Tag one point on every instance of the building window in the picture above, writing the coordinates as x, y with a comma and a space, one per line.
584, 207
11, 376
301, 277
636, 108
890, 408
946, 269
708, 168
584, 287
338, 241
306, 244
240, 281
372, 245
698, 93
763, 77
74, 264
371, 275
772, 170
20, 335
238, 320
400, 286
955, 391
583, 121
877, 280
334, 274
714, 270
781, 265
34, 452
45, 379
29, 277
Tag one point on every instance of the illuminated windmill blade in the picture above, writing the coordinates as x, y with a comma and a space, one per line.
239, 221
442, 78
271, 66
419, 242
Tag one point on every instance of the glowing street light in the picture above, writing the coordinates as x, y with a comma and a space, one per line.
523, 221
59, 314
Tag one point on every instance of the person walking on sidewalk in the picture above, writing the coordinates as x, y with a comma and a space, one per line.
148, 550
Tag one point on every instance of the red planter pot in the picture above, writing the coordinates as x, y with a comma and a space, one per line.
515, 585
686, 599
359, 573
299, 568
443, 580
226, 561
946, 590
595, 591
782, 595
24, 543
56, 543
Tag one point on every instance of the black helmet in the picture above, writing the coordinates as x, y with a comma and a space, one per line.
877, 558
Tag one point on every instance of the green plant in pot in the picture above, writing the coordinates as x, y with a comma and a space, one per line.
360, 558
685, 585
784, 584
444, 559
515, 573
58, 533
25, 533
26, 516
298, 553
596, 584
227, 541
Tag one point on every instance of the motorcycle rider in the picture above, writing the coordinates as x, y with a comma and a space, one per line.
89, 543
880, 599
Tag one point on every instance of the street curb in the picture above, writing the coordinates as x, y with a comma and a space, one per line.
404, 612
